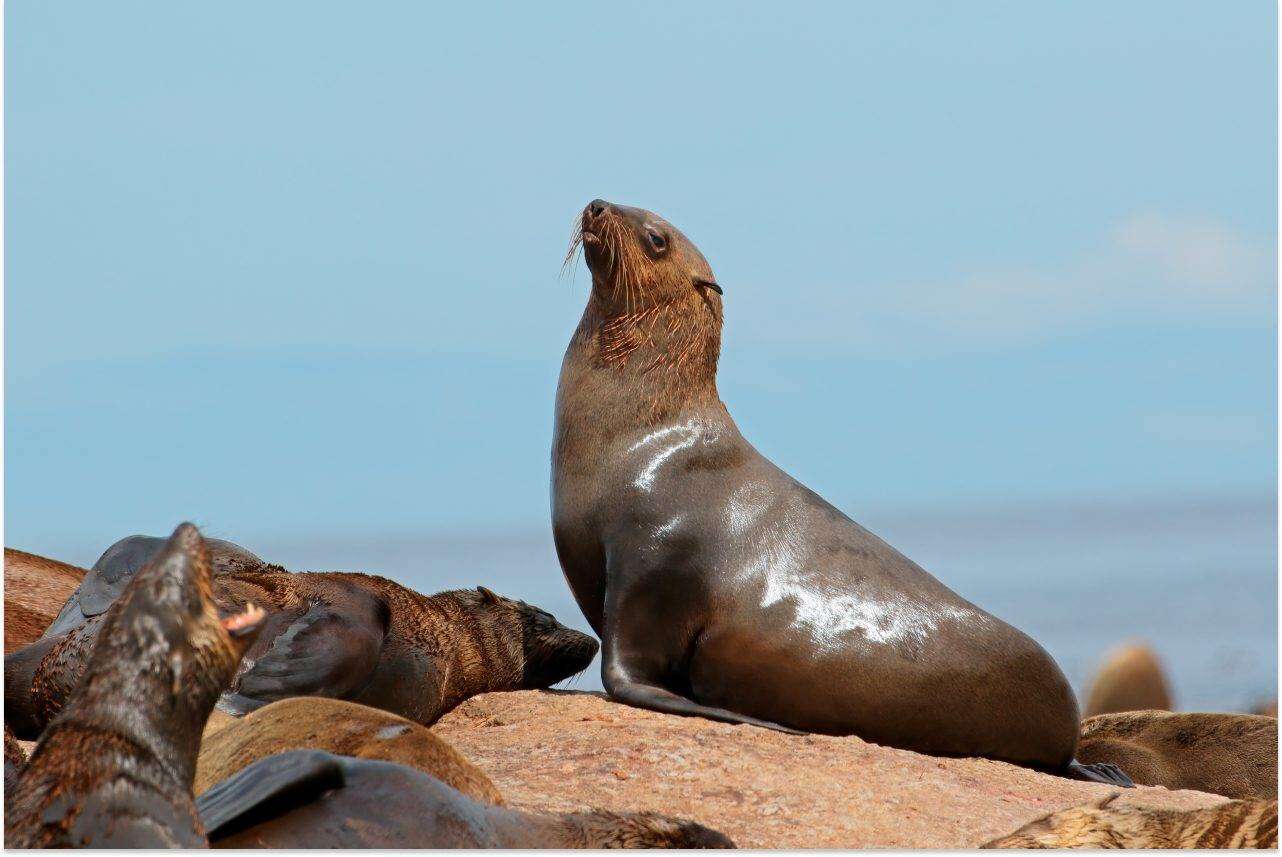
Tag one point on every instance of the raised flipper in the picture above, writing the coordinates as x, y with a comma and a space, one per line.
117, 566
1099, 772
331, 650
268, 788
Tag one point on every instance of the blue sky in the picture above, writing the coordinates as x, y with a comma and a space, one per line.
295, 267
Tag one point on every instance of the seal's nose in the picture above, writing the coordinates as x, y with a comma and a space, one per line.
597, 207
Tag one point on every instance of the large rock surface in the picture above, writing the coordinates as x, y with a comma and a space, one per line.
568, 751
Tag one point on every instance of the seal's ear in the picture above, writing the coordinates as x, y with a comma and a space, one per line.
487, 596
708, 284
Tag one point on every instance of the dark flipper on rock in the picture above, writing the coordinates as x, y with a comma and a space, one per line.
268, 788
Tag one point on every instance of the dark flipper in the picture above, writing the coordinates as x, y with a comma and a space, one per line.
656, 698
331, 650
118, 565
266, 789
1099, 772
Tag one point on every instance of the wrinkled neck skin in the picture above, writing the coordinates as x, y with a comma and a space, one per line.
638, 368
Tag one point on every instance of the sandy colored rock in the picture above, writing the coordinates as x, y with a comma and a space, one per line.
561, 751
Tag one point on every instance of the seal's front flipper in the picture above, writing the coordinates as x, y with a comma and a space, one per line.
656, 698
267, 789
331, 650
1099, 772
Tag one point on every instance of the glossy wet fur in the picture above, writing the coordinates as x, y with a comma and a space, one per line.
719, 585
115, 768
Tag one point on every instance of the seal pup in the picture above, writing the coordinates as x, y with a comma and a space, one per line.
33, 587
344, 636
1235, 755
313, 799
1100, 824
115, 768
342, 728
1130, 679
722, 587
109, 576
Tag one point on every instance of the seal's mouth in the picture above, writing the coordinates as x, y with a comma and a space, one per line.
240, 624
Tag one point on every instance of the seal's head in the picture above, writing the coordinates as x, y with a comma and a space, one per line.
165, 636
638, 259
548, 651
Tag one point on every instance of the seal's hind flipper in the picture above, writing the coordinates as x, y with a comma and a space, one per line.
1099, 772
267, 789
118, 564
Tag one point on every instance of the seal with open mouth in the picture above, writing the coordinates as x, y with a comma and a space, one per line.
115, 768
722, 587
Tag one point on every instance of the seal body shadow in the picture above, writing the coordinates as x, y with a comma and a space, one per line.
721, 586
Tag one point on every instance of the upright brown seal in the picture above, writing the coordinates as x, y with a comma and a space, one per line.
722, 587
34, 587
115, 768
1101, 824
1131, 678
1235, 755
344, 636
342, 728
313, 799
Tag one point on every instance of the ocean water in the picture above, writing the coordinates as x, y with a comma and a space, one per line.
1194, 577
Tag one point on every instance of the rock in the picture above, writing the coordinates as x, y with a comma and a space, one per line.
561, 751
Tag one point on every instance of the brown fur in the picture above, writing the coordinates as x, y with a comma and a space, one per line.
1235, 755
342, 728
115, 768
15, 758
34, 589
1131, 679
1236, 824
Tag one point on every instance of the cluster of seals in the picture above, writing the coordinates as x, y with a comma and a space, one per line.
1130, 679
332, 634
1235, 755
722, 587
313, 799
115, 768
33, 587
342, 728
1100, 824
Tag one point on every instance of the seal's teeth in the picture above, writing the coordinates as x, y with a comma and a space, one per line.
244, 620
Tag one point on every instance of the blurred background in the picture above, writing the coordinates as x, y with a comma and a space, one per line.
1000, 283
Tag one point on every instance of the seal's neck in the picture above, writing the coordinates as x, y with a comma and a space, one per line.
128, 703
639, 366
480, 655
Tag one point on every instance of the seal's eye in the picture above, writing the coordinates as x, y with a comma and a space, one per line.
657, 241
